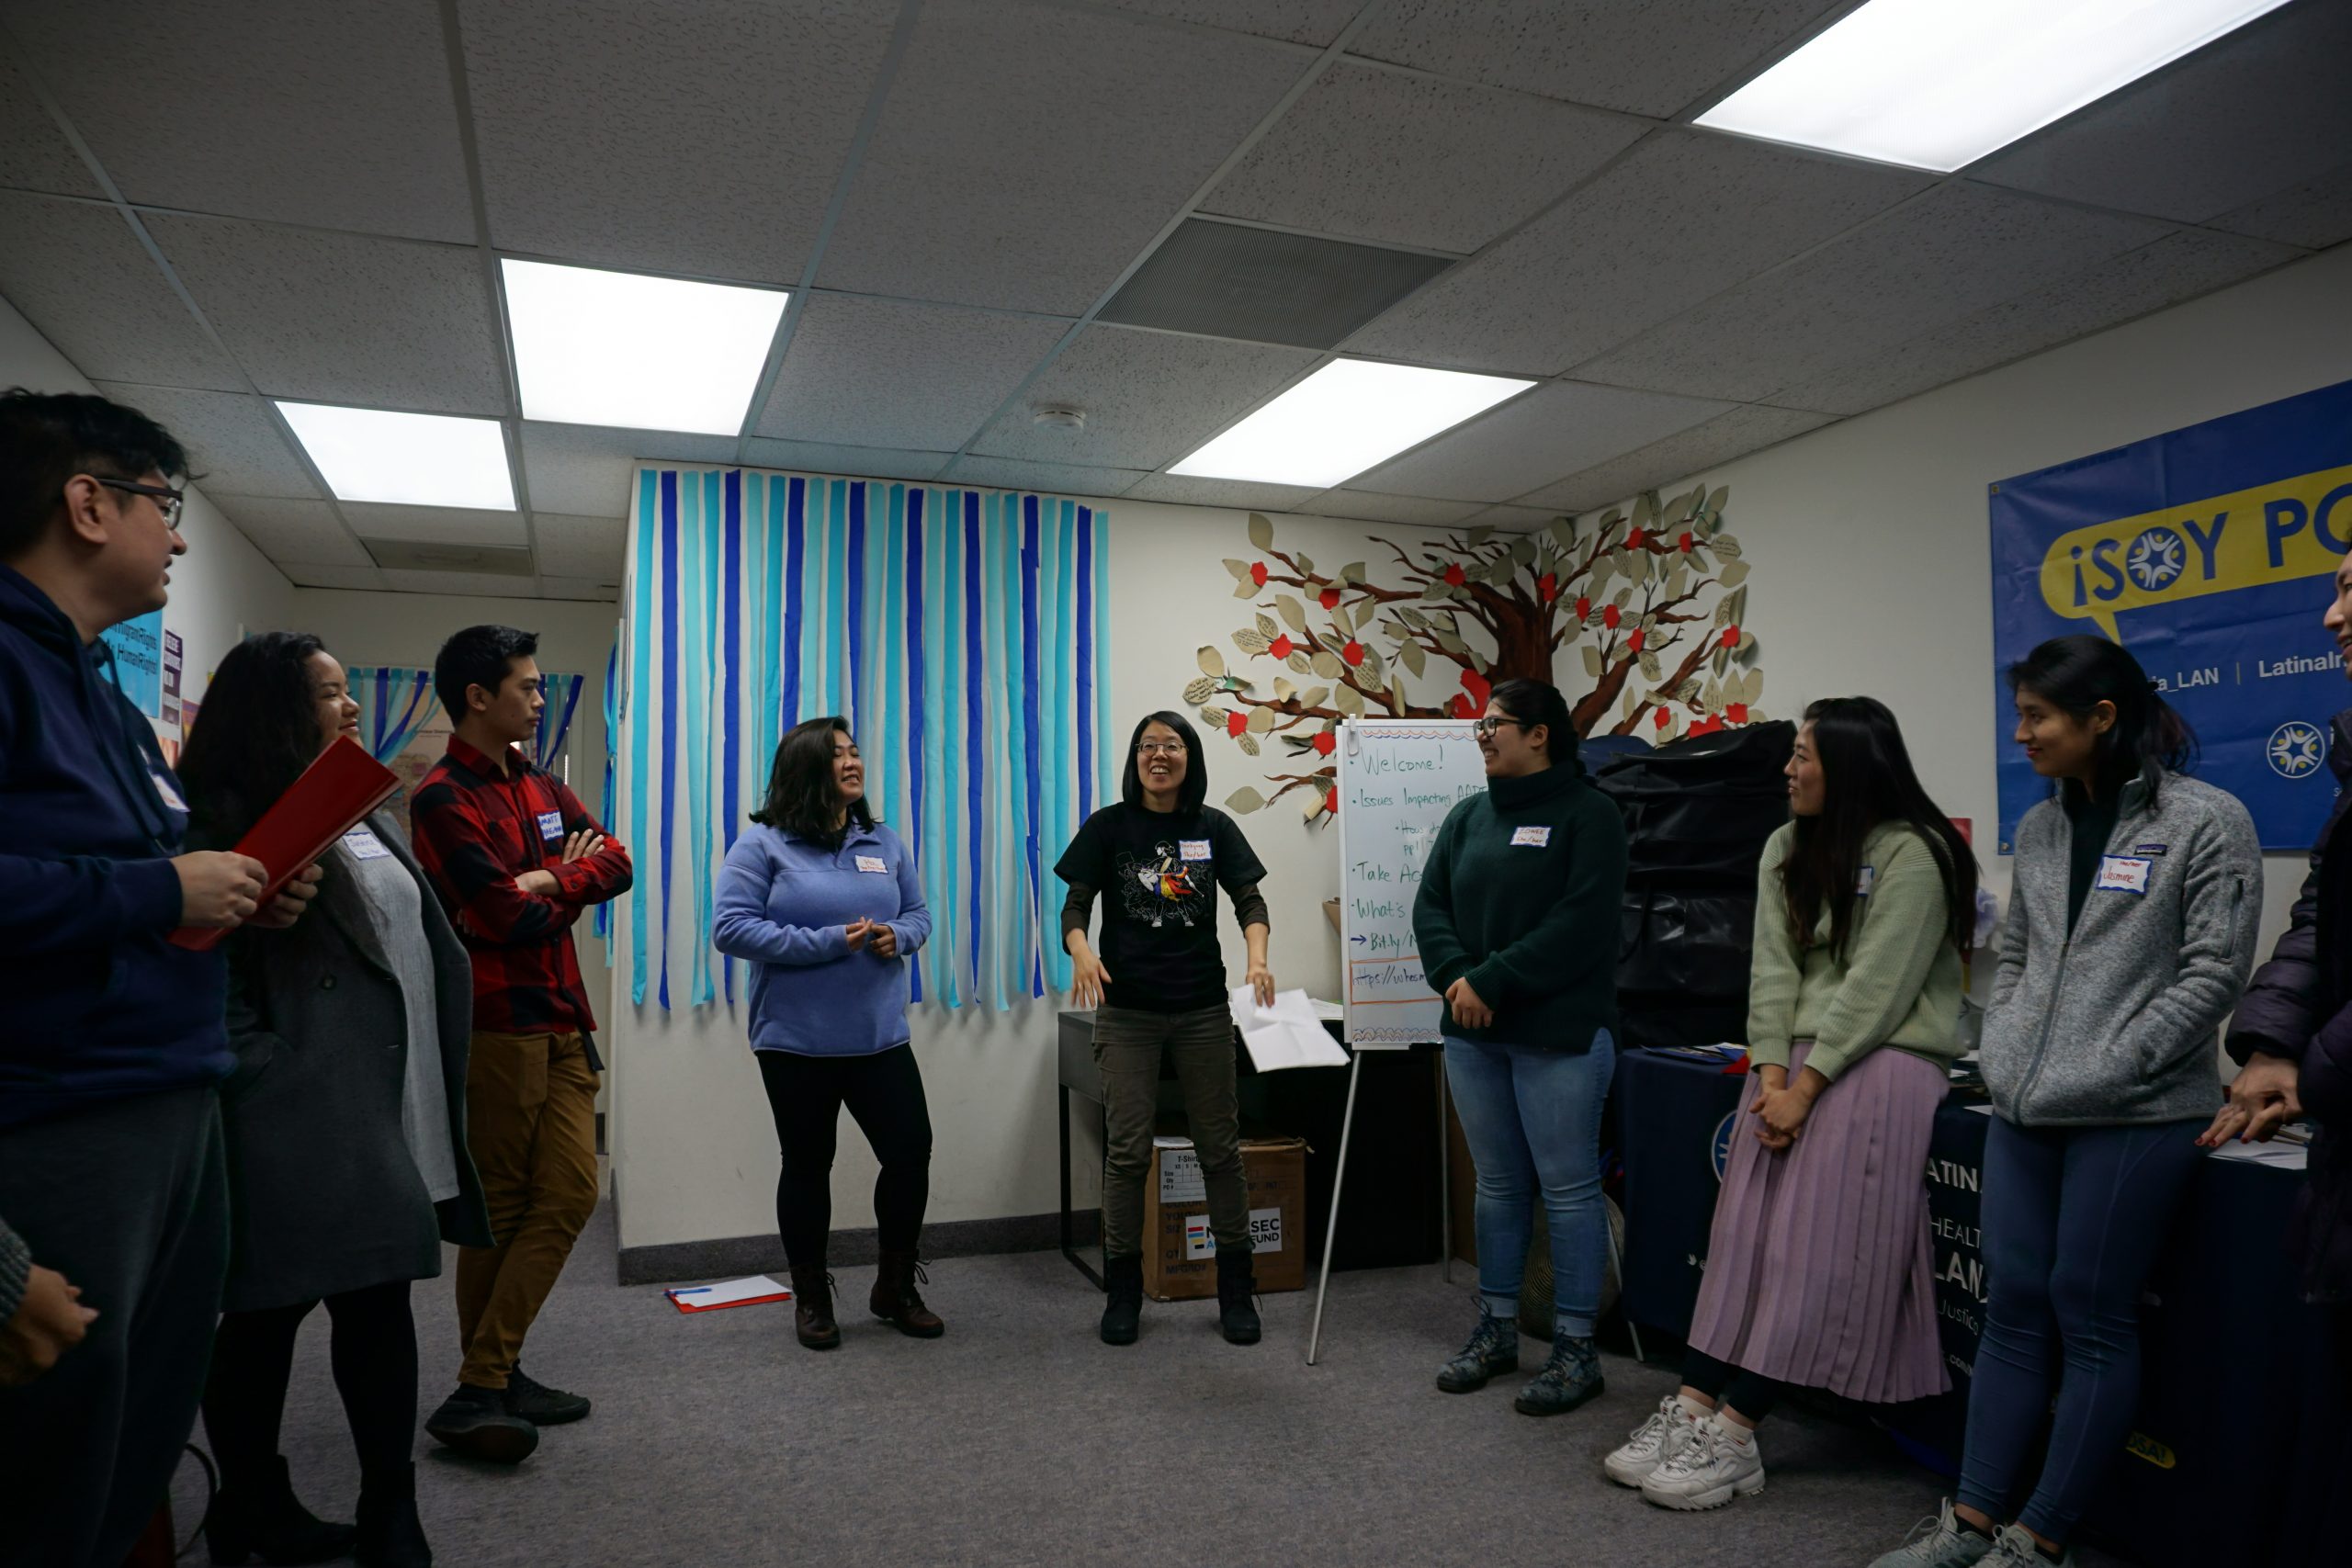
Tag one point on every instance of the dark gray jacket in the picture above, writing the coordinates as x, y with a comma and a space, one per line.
2116, 1023
15, 1270
324, 1194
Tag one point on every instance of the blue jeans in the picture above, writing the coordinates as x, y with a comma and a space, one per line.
2072, 1217
1531, 1116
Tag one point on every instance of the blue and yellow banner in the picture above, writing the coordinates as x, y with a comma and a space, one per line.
2208, 552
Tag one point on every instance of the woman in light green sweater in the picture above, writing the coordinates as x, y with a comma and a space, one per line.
1819, 1272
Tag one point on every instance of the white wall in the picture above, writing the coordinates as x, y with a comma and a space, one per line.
1870, 539
223, 583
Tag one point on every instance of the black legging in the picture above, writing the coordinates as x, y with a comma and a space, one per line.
374, 1353
884, 1092
1751, 1393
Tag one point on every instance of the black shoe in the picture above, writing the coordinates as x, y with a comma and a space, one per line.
476, 1423
1123, 1312
260, 1515
812, 1308
540, 1405
390, 1535
1235, 1283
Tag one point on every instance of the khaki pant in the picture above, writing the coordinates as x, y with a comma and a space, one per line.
531, 1127
1127, 1046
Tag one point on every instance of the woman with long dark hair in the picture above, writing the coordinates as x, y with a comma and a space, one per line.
826, 905
1158, 854
1819, 1271
2131, 931
1517, 922
345, 1124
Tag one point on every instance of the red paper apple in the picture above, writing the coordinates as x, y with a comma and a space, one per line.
1329, 598
1332, 803
1634, 540
1684, 544
1461, 706
1354, 652
1730, 637
1281, 646
1584, 607
1236, 723
1257, 573
1454, 576
1636, 641
1610, 615
1547, 587
1478, 686
1327, 743
1664, 719
1736, 712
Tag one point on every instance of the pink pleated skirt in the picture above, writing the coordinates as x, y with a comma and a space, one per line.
1819, 1270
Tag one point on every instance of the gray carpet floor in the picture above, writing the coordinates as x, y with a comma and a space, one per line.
1019, 1439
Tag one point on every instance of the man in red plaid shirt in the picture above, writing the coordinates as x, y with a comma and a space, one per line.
516, 857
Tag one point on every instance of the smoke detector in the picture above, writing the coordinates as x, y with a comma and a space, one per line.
1059, 418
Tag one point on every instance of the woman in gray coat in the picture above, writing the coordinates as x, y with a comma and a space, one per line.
345, 1124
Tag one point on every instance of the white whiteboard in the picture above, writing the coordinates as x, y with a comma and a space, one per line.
1398, 777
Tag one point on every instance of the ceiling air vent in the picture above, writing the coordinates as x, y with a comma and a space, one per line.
1226, 280
406, 555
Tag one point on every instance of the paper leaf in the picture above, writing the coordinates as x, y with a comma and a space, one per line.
1298, 661
1651, 669
1283, 690
1415, 659
1268, 627
1479, 536
1261, 720
1249, 743
1373, 666
1261, 532
1248, 641
1732, 574
1240, 569
1523, 551
1314, 697
1724, 544
1715, 501
1646, 510
1348, 700
1292, 611
1199, 692
1412, 617
1305, 566
1327, 664
1216, 718
1592, 661
1212, 661
1245, 589
1315, 800
1243, 801
1563, 533
1353, 572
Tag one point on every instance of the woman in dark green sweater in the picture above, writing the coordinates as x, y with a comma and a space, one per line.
1517, 924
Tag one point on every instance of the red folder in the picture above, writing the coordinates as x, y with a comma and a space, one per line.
332, 796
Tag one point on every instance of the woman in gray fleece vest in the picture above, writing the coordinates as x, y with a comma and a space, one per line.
2130, 935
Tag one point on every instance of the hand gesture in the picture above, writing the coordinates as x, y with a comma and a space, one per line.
538, 881
1470, 1009
581, 845
218, 888
49, 1322
1262, 983
291, 900
1780, 1116
881, 939
1088, 980
2261, 1099
858, 932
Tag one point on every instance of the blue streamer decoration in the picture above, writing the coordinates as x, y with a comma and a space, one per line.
731, 735
670, 561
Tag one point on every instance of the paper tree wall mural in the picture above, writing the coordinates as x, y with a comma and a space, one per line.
1451, 616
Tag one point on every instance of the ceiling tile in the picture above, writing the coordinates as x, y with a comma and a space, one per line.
1149, 398
34, 155
1217, 278
468, 584
1945, 256
339, 116
585, 469
580, 546
435, 524
1655, 59
84, 281
2314, 214
1369, 506
1295, 21
703, 139
343, 318
1511, 519
1379, 154
849, 462
886, 373
1030, 152
356, 579
1557, 429
235, 446
1186, 491
1056, 479
2179, 266
292, 533
1721, 439
1652, 237
2251, 114
605, 592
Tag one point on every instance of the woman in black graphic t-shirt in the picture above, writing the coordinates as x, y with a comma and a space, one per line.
1157, 984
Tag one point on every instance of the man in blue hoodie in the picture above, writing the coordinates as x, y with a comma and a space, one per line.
111, 1039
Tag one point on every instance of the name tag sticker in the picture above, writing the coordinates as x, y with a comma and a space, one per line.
1863, 883
551, 824
2148, 849
364, 845
2123, 873
1193, 848
874, 863
1530, 838
164, 788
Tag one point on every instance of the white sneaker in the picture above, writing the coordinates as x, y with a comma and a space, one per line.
2014, 1548
1938, 1542
1653, 1442
1708, 1470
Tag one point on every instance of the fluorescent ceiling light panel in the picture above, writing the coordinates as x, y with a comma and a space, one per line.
410, 459
1938, 83
595, 347
1345, 418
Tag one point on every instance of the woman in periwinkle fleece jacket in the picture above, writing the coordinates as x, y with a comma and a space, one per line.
2131, 931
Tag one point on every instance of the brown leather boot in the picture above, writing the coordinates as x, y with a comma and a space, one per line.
812, 1308
895, 1300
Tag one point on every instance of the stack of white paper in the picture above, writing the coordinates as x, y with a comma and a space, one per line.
1287, 1034
728, 1293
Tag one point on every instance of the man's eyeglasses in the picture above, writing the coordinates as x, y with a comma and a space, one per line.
1159, 749
167, 500
1484, 728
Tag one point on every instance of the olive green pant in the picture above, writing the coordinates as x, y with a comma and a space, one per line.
1128, 1043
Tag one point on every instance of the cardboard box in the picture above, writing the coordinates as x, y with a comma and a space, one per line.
1179, 1253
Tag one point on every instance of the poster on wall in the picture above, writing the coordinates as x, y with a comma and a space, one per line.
2207, 552
169, 711
137, 647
